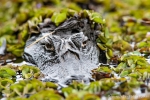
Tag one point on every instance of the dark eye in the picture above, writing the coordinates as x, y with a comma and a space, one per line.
49, 47
84, 43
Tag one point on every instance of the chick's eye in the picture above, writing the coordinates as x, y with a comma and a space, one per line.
84, 43
49, 47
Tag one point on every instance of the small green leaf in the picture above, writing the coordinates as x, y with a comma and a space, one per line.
130, 62
25, 71
101, 46
109, 53
28, 75
106, 84
141, 44
91, 97
27, 88
124, 73
5, 82
141, 62
60, 18
17, 88
2, 72
21, 18
51, 85
134, 75
71, 12
103, 39
133, 65
106, 34
10, 71
104, 69
54, 17
134, 83
109, 43
67, 91
122, 65
98, 40
94, 87
85, 14
96, 18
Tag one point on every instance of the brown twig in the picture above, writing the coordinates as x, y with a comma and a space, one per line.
40, 39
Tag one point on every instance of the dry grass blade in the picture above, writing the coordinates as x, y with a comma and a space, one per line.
40, 39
